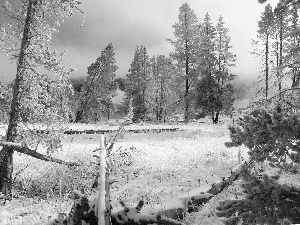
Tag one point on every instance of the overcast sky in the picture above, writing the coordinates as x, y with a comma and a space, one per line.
128, 23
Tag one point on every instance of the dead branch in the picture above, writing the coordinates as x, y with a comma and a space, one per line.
114, 138
25, 150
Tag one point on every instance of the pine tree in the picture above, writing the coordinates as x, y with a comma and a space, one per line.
292, 59
27, 39
164, 83
136, 84
225, 59
214, 64
265, 33
207, 57
186, 47
271, 137
281, 31
99, 89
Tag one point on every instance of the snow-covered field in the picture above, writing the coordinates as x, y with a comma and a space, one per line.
160, 166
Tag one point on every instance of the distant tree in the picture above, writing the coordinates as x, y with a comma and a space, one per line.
214, 64
136, 84
225, 59
224, 63
262, 46
99, 89
26, 38
186, 47
164, 86
293, 38
207, 57
281, 31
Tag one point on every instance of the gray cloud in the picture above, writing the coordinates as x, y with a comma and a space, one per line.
128, 23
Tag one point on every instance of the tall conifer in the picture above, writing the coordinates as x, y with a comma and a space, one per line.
186, 33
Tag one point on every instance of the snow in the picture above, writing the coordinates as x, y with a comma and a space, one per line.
166, 165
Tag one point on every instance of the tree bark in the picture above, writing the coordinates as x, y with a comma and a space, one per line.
6, 155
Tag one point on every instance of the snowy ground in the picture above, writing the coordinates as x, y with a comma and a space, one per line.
164, 165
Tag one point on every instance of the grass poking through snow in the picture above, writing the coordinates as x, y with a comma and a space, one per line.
152, 166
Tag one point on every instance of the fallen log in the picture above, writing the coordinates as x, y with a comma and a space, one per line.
176, 208
170, 212
133, 215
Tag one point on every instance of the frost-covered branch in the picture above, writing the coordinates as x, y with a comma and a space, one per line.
25, 150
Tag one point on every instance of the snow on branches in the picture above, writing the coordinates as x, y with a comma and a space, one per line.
272, 139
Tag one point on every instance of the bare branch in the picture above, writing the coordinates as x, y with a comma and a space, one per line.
283, 91
114, 138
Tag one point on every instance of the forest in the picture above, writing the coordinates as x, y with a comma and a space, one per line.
180, 139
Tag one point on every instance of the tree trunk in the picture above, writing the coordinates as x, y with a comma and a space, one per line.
161, 106
6, 154
213, 117
187, 104
108, 112
186, 113
267, 66
280, 54
78, 117
217, 117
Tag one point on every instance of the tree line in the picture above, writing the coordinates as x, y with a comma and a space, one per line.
194, 79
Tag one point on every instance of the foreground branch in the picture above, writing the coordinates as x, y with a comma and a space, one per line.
25, 150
